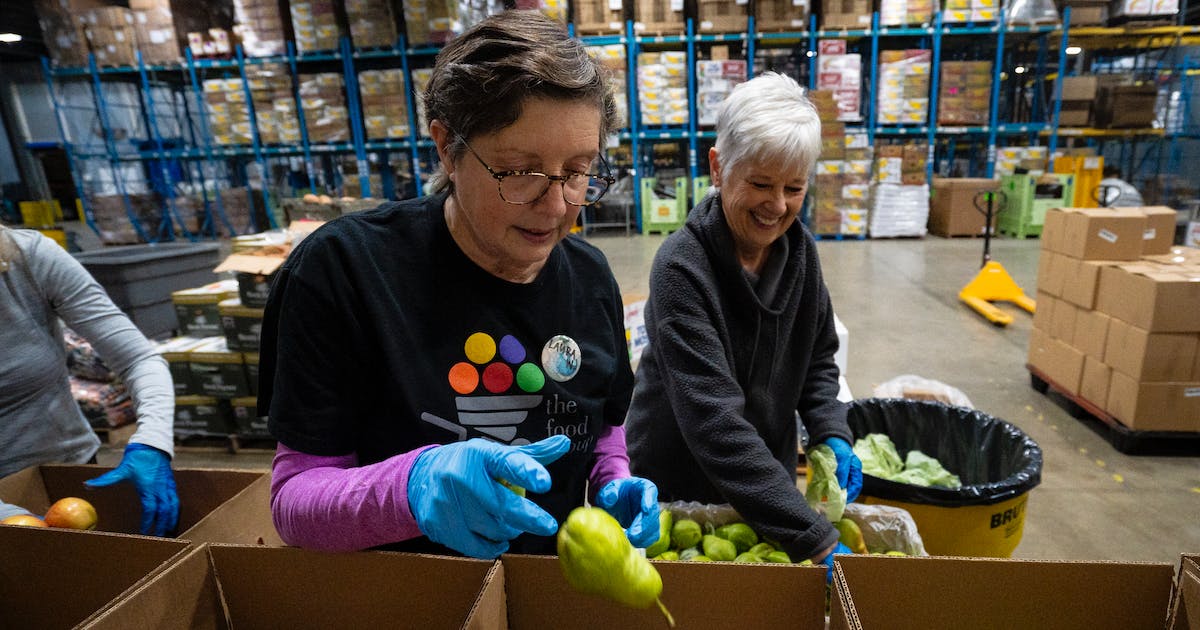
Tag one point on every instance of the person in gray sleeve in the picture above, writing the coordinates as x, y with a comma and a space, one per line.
741, 333
41, 288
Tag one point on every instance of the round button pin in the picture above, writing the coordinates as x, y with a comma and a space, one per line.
561, 358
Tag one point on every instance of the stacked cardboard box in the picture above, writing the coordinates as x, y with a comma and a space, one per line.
714, 81
1086, 12
260, 26
905, 12
430, 22
781, 15
553, 9
598, 17
848, 14
786, 61
371, 23
112, 216
960, 11
62, 31
1031, 160
323, 101
657, 17
662, 88
315, 25
904, 86
215, 42
842, 74
1078, 94
1142, 9
826, 190
228, 114
965, 94
1118, 315
612, 57
196, 309
722, 16
384, 103
901, 194
155, 30
239, 204
1126, 106
420, 79
111, 35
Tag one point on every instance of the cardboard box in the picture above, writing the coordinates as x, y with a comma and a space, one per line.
1101, 233
1080, 281
59, 578
1096, 377
1043, 313
222, 586
1185, 600
699, 595
1061, 363
952, 210
1150, 357
1079, 88
1159, 235
942, 592
118, 506
1154, 406
244, 519
1062, 322
1153, 300
1091, 333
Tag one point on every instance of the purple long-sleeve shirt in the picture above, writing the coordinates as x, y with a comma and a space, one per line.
333, 504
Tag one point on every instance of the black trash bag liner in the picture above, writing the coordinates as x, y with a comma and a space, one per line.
995, 460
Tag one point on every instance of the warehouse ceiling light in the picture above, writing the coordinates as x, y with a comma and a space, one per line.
1074, 50
1019, 69
10, 38
810, 53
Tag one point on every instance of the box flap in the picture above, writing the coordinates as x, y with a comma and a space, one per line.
698, 594
182, 596
66, 576
490, 611
979, 593
250, 263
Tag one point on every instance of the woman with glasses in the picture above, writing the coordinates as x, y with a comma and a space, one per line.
449, 374
741, 332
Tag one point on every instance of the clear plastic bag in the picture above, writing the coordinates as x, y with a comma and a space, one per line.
886, 528
703, 513
1032, 12
913, 387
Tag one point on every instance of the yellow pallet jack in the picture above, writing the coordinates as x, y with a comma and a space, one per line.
992, 283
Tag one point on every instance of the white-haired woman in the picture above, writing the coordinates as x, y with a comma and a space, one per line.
742, 335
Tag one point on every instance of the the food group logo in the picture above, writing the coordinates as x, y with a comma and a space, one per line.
499, 384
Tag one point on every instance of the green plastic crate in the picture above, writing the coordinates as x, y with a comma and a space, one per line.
1025, 206
663, 215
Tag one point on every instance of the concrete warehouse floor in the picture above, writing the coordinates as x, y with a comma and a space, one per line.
898, 298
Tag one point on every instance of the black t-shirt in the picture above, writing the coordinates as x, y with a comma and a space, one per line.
381, 336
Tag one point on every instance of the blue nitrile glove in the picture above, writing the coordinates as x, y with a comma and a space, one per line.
8, 509
633, 501
828, 560
455, 495
150, 471
849, 467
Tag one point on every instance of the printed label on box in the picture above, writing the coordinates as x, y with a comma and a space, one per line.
1107, 235
1191, 392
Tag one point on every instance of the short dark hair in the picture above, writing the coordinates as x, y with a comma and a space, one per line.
1111, 170
482, 78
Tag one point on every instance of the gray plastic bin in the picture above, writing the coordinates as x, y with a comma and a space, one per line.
141, 278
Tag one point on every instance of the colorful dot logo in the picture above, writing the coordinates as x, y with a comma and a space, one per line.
495, 367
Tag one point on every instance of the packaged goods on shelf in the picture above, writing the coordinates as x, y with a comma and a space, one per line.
962, 11
241, 325
899, 210
657, 17
842, 74
662, 88
371, 23
1126, 106
323, 101
965, 94
384, 103
273, 105
62, 32
905, 12
848, 14
438, 21
239, 204
598, 17
612, 57
553, 9
722, 16
420, 78
903, 86
1144, 8
111, 35
218, 371
1086, 12
113, 222
785, 61
214, 42
314, 25
781, 15
714, 82
260, 27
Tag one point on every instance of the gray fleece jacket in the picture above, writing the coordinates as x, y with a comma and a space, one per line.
713, 417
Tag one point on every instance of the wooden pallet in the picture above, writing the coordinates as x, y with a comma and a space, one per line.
1122, 438
232, 443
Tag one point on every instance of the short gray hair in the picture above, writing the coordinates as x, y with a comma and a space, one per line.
768, 120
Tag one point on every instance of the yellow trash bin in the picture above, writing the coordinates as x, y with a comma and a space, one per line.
997, 463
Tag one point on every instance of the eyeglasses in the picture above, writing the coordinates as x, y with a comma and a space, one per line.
524, 187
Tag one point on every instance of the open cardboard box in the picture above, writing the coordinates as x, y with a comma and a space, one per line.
58, 578
1185, 600
200, 492
698, 594
244, 519
240, 586
982, 593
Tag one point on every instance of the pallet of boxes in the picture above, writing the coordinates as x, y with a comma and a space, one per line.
1117, 328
